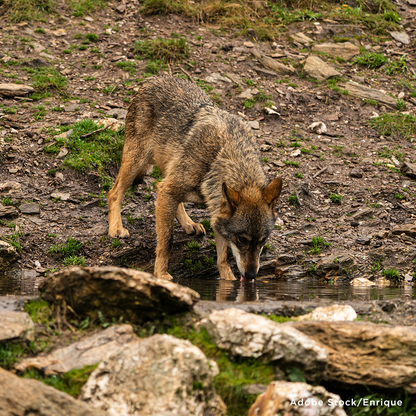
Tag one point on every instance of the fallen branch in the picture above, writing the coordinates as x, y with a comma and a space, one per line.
96, 131
187, 74
321, 171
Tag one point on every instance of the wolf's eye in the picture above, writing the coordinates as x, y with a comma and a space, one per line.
243, 240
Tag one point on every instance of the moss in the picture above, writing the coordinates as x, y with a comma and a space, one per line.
70, 382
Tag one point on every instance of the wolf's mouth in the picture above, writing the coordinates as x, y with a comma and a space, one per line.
244, 279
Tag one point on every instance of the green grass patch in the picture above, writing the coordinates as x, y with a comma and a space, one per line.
82, 7
371, 60
70, 382
68, 249
165, 50
26, 10
390, 124
89, 153
47, 79
74, 261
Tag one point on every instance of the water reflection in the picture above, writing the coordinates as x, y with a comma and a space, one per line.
20, 282
269, 290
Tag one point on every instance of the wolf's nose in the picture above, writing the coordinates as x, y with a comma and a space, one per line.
250, 275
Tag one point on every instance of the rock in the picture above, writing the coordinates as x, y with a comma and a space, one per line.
59, 32
214, 78
234, 78
13, 90
344, 50
365, 353
364, 240
88, 351
318, 127
247, 94
361, 281
61, 196
356, 90
117, 292
248, 44
409, 169
356, 173
254, 124
310, 400
248, 335
402, 37
47, 56
291, 273
16, 325
275, 66
265, 148
120, 8
302, 39
65, 134
158, 374
361, 213
8, 255
317, 68
62, 153
118, 113
408, 229
20, 396
10, 185
111, 123
31, 208
37, 63
8, 211
296, 153
330, 313
38, 47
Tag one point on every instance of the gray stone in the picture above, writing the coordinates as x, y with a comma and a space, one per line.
409, 169
117, 292
364, 240
88, 351
8, 211
279, 396
118, 113
302, 39
344, 50
248, 335
47, 56
330, 313
10, 185
8, 255
402, 37
31, 208
61, 196
16, 326
13, 90
356, 173
254, 124
317, 68
20, 396
214, 78
62, 153
360, 91
158, 374
408, 229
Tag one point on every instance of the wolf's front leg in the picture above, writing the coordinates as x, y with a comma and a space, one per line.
223, 266
166, 208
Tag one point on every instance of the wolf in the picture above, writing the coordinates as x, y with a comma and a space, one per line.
206, 155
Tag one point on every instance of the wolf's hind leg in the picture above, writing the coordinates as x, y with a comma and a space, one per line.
190, 227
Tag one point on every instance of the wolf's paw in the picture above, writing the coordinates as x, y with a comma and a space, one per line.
195, 229
118, 232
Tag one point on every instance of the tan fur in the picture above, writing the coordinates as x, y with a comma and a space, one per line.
205, 155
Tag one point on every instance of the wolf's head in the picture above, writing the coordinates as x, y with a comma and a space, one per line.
246, 220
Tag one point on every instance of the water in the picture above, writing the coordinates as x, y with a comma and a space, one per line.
22, 282
272, 290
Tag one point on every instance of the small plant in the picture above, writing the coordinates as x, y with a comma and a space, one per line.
194, 246
296, 144
299, 175
291, 163
401, 105
335, 198
317, 243
68, 249
92, 37
6, 201
391, 274
116, 243
293, 200
74, 261
377, 266
399, 196
166, 50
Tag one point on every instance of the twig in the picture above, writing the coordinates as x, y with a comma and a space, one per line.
321, 171
170, 70
65, 321
298, 197
58, 317
187, 74
96, 131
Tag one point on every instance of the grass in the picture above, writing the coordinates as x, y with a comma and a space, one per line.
90, 153
70, 382
391, 124
68, 249
317, 243
335, 198
391, 274
47, 79
165, 50
370, 60
82, 7
293, 200
74, 261
26, 10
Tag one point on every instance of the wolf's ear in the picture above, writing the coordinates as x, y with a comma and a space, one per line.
230, 199
272, 191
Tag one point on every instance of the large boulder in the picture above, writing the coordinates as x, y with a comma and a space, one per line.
116, 292
296, 399
250, 335
20, 396
366, 353
16, 326
330, 313
159, 374
88, 351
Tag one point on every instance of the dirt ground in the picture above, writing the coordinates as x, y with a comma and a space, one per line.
350, 160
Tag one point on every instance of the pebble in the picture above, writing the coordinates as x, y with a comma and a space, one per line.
356, 173
31, 208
